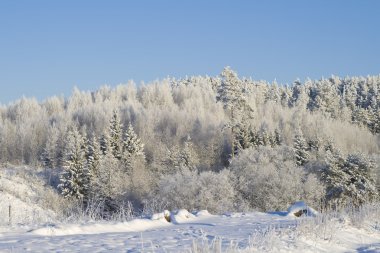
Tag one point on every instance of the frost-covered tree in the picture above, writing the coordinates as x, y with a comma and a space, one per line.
231, 94
300, 149
268, 179
299, 95
50, 155
349, 180
74, 178
277, 137
193, 191
183, 156
133, 148
105, 143
134, 158
94, 156
245, 137
116, 135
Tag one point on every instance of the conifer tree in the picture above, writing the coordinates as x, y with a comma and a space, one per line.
93, 157
277, 137
265, 137
349, 180
50, 154
74, 178
116, 135
133, 147
231, 93
244, 139
300, 148
315, 144
188, 157
105, 143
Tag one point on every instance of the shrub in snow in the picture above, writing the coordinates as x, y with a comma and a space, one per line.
268, 179
349, 180
193, 191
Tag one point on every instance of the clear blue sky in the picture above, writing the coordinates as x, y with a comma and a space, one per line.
48, 47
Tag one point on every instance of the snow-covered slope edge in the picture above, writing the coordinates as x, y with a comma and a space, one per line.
26, 196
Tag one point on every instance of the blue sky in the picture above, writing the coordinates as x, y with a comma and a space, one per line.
48, 47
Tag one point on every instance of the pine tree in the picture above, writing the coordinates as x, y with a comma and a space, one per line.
300, 148
116, 135
74, 178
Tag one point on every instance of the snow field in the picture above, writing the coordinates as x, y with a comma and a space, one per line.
200, 232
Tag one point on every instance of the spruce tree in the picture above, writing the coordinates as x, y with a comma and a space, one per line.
277, 137
105, 143
133, 147
300, 149
244, 138
74, 178
94, 155
116, 135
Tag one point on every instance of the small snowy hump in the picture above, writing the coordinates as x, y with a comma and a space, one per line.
181, 216
300, 208
165, 215
202, 213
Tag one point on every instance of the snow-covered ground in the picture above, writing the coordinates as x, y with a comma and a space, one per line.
198, 232
239, 232
25, 194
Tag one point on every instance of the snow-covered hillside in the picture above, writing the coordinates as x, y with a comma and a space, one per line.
26, 195
201, 232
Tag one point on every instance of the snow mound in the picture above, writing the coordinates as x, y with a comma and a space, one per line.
165, 215
181, 215
300, 208
202, 213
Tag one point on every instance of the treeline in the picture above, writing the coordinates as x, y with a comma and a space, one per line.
204, 142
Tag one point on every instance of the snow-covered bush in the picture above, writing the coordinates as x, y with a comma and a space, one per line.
193, 191
350, 180
268, 179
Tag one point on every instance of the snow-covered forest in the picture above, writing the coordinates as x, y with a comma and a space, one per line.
224, 143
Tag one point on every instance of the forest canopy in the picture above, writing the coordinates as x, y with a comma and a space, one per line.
218, 143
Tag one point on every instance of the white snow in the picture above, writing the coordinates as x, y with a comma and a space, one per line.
186, 232
22, 193
254, 232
